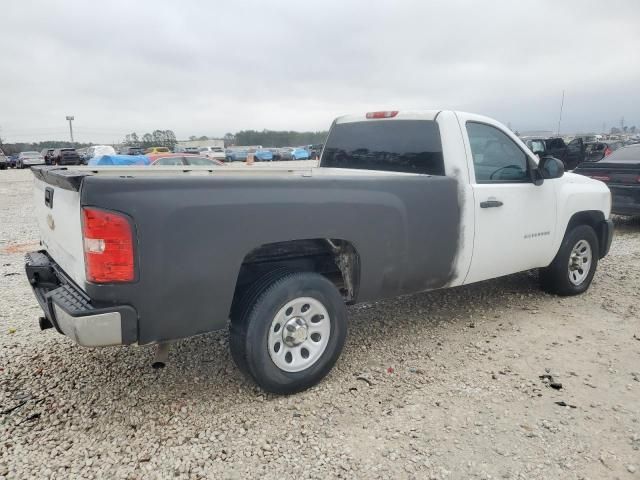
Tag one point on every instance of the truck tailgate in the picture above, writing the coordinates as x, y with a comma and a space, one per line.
57, 212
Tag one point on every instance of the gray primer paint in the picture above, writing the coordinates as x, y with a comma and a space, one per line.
194, 232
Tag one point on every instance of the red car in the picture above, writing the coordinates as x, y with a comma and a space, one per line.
182, 159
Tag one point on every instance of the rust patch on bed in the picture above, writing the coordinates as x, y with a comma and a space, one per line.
19, 248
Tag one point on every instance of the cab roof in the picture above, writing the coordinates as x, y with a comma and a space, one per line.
399, 115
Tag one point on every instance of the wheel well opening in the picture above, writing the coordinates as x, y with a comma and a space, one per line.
335, 259
593, 218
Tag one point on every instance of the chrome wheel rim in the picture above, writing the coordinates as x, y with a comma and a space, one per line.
299, 334
580, 262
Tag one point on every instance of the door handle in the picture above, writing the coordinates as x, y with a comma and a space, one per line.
491, 204
48, 197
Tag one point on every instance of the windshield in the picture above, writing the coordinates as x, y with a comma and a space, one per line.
389, 145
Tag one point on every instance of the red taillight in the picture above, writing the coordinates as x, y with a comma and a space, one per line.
108, 246
602, 178
607, 152
387, 114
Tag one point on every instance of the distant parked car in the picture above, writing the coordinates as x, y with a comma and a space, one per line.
131, 151
285, 153
300, 153
596, 151
235, 155
275, 152
181, 149
183, 159
4, 161
216, 153
98, 151
13, 159
315, 151
119, 160
571, 154
27, 159
65, 156
621, 172
46, 153
261, 154
157, 150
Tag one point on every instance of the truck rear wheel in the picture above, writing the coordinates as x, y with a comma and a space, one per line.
288, 330
571, 272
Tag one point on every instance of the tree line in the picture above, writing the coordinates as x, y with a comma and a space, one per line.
625, 129
166, 138
158, 138
15, 148
266, 138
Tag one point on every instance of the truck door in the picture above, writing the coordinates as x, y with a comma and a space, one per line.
515, 219
557, 148
575, 153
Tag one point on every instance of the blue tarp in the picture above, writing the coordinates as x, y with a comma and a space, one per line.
119, 160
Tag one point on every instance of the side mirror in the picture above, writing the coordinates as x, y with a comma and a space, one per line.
551, 167
534, 172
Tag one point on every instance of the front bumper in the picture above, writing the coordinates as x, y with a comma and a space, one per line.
72, 312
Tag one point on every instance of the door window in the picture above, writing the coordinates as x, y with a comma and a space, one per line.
496, 158
537, 146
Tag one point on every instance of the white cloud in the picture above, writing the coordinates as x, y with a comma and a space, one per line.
207, 68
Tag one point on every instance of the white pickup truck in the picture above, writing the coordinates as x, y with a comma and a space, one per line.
402, 202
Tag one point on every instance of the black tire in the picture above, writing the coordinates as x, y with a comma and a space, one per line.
556, 277
241, 305
251, 320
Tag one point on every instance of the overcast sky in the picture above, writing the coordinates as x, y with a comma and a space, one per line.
206, 68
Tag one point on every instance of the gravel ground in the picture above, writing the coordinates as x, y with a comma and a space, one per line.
441, 385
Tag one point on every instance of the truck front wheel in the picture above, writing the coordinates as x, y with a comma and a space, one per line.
288, 331
572, 270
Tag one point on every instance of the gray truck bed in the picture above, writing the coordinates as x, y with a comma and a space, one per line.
193, 233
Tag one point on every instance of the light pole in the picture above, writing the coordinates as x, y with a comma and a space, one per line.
70, 119
560, 119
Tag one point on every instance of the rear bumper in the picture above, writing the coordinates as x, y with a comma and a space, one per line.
72, 312
628, 210
625, 199
606, 236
